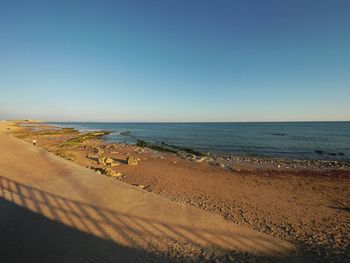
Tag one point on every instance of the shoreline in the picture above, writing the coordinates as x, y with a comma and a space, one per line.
306, 205
226, 160
289, 148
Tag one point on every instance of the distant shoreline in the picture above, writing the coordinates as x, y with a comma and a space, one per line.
189, 122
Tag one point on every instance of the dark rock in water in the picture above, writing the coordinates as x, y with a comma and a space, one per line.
333, 154
142, 143
341, 154
319, 152
125, 133
278, 134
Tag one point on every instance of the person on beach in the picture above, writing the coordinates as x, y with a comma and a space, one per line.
34, 142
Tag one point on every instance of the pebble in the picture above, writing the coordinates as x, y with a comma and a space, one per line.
228, 161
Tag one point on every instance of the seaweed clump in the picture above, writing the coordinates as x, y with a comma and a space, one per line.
167, 148
142, 143
84, 137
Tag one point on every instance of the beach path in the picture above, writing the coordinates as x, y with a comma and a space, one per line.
53, 210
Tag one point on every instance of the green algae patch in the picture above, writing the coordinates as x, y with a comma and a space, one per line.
46, 132
142, 143
84, 137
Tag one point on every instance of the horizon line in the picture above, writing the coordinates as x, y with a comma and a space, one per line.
92, 121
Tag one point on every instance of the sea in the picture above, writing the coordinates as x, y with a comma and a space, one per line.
291, 140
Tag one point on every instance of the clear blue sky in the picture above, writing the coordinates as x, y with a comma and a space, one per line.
175, 60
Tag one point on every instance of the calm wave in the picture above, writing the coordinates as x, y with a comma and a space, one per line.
298, 140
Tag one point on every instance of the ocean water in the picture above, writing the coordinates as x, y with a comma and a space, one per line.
295, 140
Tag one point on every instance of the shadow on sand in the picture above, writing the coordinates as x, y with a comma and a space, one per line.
37, 226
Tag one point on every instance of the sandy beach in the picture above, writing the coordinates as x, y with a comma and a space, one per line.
125, 203
175, 131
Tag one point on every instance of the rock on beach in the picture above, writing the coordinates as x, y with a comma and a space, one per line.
132, 160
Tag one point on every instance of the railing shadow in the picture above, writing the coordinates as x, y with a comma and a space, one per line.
31, 237
113, 227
